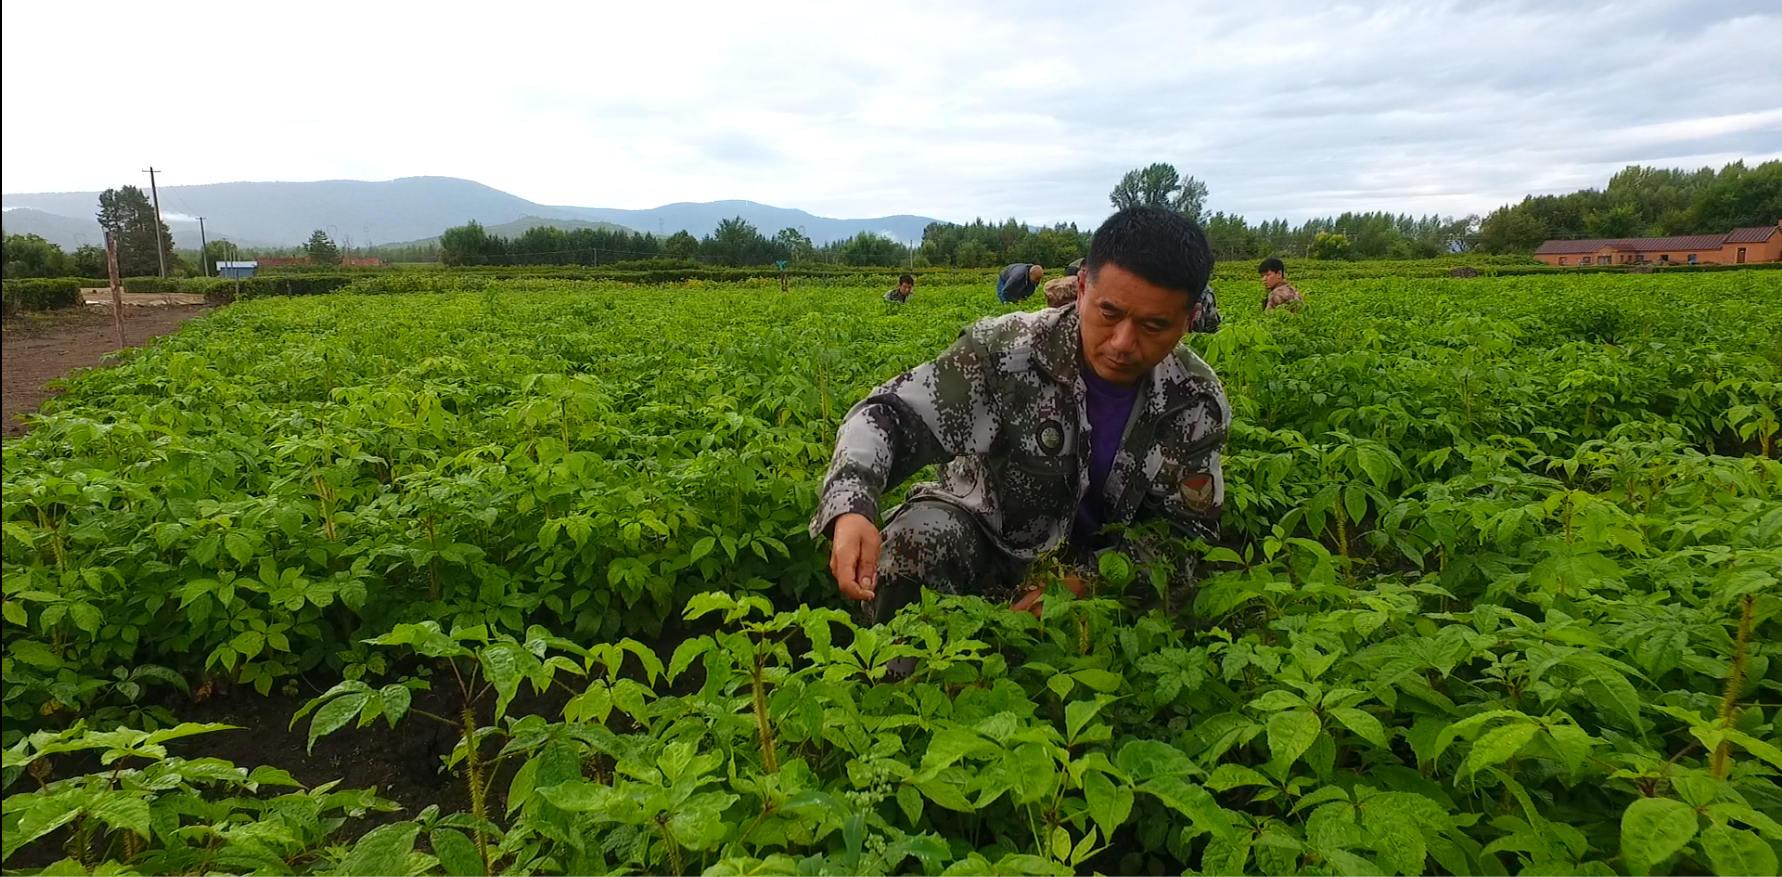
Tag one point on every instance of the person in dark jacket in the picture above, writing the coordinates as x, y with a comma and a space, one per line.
1018, 281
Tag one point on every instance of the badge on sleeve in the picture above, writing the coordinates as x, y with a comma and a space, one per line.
1197, 491
1051, 437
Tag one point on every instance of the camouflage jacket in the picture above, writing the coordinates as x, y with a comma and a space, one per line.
1003, 410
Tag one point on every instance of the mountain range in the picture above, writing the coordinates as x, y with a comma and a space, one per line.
276, 214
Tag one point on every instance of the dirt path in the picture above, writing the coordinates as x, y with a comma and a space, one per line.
38, 350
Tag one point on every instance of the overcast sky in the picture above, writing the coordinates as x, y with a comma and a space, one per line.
949, 109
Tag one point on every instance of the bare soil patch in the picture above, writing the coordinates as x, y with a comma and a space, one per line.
41, 348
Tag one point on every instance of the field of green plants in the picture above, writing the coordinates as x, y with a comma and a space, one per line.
1497, 594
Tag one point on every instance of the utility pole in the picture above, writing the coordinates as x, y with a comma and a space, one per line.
203, 246
160, 251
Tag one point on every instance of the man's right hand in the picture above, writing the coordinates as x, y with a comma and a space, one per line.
854, 558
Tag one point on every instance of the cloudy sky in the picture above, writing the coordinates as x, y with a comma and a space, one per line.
949, 109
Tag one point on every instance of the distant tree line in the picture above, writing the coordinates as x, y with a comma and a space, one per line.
1642, 202
735, 242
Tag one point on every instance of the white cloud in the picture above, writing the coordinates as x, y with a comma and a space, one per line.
953, 110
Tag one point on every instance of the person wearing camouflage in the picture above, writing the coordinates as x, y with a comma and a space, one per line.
1049, 426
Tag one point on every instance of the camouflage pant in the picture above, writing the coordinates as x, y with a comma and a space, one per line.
942, 546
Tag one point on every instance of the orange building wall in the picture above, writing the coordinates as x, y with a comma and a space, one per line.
1726, 255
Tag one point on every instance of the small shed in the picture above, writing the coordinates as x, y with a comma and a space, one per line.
236, 270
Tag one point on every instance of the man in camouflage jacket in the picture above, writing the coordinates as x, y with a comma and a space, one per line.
1010, 411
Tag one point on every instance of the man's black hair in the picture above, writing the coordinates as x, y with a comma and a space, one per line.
1271, 264
1162, 247
905, 278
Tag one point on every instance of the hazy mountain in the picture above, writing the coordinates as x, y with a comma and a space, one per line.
407, 209
521, 225
68, 231
702, 217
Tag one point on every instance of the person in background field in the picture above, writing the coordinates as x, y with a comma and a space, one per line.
1060, 291
901, 292
1277, 292
1018, 281
1048, 426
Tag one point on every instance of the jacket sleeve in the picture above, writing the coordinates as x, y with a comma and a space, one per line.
927, 415
1206, 322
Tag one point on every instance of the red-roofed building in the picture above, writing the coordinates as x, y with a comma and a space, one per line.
1740, 246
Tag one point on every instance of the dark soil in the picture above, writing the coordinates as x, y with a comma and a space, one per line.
41, 348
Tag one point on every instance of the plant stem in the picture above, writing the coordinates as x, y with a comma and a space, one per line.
1729, 702
770, 760
473, 770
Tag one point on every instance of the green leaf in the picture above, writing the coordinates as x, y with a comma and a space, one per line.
1355, 502
702, 548
501, 663
685, 653
579, 796
909, 800
1652, 829
1146, 759
1363, 724
383, 850
86, 616
1227, 855
1117, 568
14, 612
334, 715
1737, 852
699, 824
1193, 802
1498, 745
1078, 713
1226, 777
1290, 734
1109, 804
457, 854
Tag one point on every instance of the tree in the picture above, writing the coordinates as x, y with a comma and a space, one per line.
1160, 185
736, 241
88, 261
792, 243
681, 245
1621, 221
1511, 230
1146, 187
467, 244
129, 216
867, 248
1331, 245
29, 255
321, 249
1230, 237
1190, 199
1738, 197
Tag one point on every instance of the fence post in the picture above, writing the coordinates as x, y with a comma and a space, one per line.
117, 293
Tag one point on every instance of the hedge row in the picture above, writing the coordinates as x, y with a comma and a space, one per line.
39, 294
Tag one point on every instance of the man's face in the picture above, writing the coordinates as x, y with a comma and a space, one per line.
1272, 279
1129, 323
1036, 273
905, 288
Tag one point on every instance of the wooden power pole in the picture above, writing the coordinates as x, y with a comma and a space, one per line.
160, 251
203, 246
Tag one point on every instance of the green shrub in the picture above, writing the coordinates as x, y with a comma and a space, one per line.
39, 294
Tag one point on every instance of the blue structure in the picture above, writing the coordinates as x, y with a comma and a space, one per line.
236, 270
